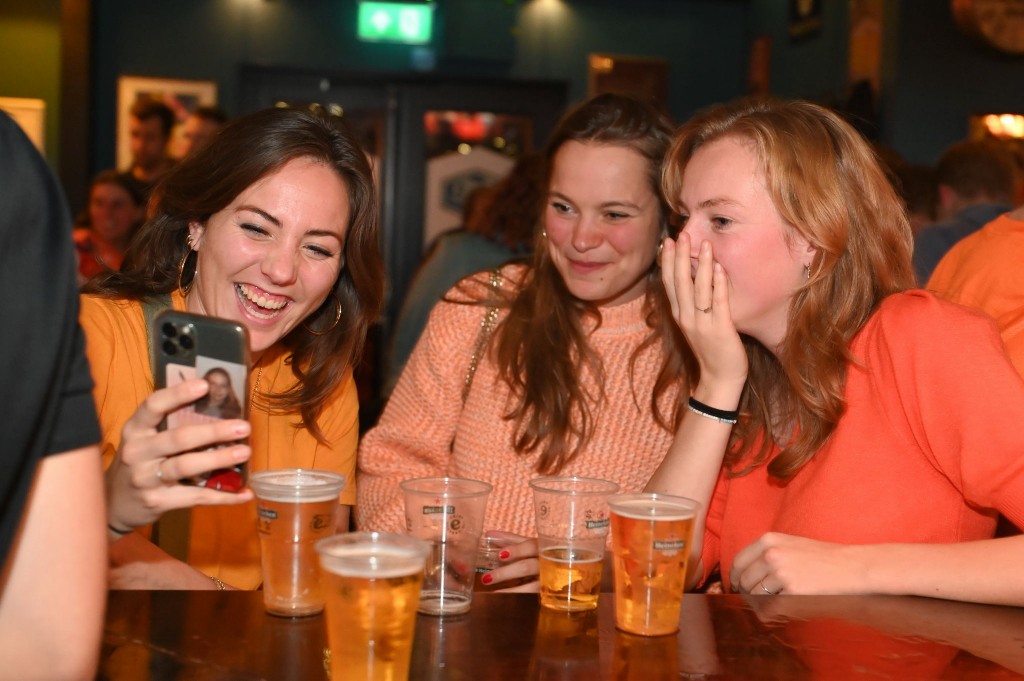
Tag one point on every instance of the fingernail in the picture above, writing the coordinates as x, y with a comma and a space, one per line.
486, 579
240, 453
242, 428
504, 555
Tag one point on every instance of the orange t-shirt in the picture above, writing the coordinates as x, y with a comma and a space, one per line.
224, 542
928, 450
984, 271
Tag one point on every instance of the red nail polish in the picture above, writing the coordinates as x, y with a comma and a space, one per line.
504, 555
486, 579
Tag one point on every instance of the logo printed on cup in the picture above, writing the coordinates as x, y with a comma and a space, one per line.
268, 513
431, 510
321, 521
669, 545
597, 524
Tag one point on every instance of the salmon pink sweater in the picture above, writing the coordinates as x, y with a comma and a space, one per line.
426, 431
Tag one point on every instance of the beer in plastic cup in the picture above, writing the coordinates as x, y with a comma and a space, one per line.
372, 586
448, 513
572, 528
651, 536
294, 508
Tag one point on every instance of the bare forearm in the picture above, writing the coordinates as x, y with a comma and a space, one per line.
985, 571
692, 465
51, 611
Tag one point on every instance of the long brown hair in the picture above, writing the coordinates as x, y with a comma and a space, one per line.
541, 348
829, 186
244, 151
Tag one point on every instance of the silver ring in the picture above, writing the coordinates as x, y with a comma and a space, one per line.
704, 309
767, 590
160, 471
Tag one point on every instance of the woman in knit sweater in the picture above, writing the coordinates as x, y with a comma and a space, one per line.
847, 435
583, 372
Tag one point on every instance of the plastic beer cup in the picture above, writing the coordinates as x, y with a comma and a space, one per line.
448, 513
651, 537
372, 586
572, 528
294, 508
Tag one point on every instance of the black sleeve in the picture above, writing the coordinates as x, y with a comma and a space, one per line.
45, 384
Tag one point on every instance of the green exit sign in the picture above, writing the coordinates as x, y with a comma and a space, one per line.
395, 22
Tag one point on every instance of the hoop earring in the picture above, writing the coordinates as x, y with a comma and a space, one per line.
181, 268
337, 318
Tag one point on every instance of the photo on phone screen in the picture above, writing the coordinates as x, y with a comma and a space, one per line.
223, 401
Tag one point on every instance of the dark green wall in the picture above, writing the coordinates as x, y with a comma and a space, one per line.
934, 76
536, 40
30, 60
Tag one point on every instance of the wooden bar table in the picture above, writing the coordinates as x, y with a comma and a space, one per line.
226, 635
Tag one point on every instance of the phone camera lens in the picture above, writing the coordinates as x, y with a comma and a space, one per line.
186, 342
169, 330
170, 348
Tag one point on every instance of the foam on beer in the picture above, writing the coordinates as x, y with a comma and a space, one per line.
371, 561
644, 509
296, 485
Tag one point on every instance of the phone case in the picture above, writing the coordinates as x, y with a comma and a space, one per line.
186, 346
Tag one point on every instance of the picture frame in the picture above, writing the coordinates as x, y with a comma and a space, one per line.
30, 115
183, 96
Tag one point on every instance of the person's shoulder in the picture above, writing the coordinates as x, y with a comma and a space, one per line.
480, 286
121, 310
921, 315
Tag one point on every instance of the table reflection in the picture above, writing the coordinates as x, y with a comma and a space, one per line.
227, 635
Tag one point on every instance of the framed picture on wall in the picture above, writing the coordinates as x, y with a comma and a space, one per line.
30, 114
182, 96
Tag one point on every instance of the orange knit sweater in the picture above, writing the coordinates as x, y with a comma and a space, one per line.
414, 437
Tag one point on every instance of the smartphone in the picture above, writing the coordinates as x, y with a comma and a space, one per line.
186, 346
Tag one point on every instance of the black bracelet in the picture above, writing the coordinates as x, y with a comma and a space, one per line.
118, 532
720, 415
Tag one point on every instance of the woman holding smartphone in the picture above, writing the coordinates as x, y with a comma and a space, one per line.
272, 225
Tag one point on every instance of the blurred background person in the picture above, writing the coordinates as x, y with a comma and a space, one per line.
498, 226
199, 127
977, 181
53, 552
986, 271
150, 123
920, 194
114, 214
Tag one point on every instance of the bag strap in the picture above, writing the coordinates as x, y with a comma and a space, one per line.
151, 307
487, 325
171, 532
